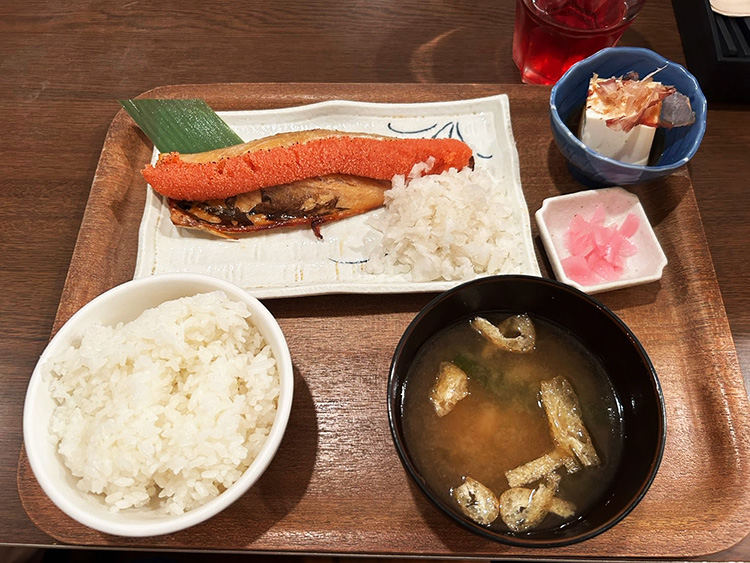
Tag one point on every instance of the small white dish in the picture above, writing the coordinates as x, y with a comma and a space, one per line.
123, 304
293, 262
556, 213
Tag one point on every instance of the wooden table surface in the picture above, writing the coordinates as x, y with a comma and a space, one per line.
65, 65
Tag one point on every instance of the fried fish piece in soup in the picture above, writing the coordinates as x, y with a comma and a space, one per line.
451, 386
477, 501
523, 509
565, 423
514, 334
541, 466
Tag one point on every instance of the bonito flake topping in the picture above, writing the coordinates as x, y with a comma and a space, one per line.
627, 102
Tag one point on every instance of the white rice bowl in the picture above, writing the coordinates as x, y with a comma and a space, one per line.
158, 404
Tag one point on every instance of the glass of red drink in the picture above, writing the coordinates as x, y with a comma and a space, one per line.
552, 35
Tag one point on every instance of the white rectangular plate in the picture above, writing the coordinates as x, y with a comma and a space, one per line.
293, 262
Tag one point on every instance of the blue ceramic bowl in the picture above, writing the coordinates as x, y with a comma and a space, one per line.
569, 94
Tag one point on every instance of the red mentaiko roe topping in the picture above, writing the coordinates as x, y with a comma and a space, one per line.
381, 159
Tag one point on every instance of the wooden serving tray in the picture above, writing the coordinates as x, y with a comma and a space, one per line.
336, 485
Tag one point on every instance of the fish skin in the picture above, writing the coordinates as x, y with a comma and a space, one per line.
312, 202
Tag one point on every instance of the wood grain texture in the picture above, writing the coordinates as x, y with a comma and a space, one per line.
336, 485
64, 66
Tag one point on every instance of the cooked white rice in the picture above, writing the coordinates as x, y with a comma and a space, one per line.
452, 226
168, 410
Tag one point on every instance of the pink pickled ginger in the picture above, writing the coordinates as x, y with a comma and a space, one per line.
598, 252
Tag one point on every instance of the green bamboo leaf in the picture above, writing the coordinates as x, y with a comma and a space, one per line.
185, 126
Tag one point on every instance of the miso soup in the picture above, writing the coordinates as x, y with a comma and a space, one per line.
501, 423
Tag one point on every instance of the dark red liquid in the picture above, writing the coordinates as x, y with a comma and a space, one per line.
552, 35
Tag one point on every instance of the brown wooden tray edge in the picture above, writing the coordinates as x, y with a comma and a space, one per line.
188, 90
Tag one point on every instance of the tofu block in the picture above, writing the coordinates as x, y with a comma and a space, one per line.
632, 147
621, 116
